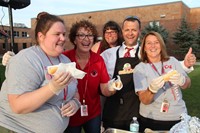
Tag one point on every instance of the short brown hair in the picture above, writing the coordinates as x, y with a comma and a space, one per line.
133, 19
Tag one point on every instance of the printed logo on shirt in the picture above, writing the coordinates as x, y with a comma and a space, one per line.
167, 66
94, 73
126, 69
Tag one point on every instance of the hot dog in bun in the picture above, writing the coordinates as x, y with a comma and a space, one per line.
167, 76
52, 69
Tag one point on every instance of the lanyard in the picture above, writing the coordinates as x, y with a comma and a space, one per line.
66, 88
162, 72
155, 69
86, 83
65, 93
85, 90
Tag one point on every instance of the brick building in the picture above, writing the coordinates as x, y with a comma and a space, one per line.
168, 15
21, 38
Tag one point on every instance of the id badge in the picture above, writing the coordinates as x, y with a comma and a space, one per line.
84, 110
164, 106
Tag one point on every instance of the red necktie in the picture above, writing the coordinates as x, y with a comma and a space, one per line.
127, 54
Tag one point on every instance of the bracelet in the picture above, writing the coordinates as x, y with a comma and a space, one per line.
77, 102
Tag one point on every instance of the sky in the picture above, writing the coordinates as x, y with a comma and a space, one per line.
62, 7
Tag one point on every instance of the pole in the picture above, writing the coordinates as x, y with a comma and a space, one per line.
11, 28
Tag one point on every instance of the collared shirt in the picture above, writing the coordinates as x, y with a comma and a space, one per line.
124, 50
109, 56
88, 87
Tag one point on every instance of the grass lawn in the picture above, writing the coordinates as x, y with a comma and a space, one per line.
192, 94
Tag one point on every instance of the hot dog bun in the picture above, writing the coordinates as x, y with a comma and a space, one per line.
52, 69
167, 76
118, 84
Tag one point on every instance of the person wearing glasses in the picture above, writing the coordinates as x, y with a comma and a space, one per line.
112, 37
30, 98
124, 104
161, 98
120, 108
83, 35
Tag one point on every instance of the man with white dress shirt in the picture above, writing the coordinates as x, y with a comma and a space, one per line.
120, 108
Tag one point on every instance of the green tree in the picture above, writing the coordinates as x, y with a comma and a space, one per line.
157, 28
197, 37
184, 37
196, 45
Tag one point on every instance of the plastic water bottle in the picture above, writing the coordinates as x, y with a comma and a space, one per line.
134, 125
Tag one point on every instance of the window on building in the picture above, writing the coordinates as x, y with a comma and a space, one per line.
16, 33
24, 34
157, 23
24, 45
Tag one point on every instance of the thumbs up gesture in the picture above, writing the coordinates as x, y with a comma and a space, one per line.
190, 59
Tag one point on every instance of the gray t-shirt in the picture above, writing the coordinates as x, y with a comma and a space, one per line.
144, 74
26, 72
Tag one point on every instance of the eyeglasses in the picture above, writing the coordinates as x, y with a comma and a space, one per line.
110, 32
83, 36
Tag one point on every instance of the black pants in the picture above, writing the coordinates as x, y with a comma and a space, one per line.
154, 124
